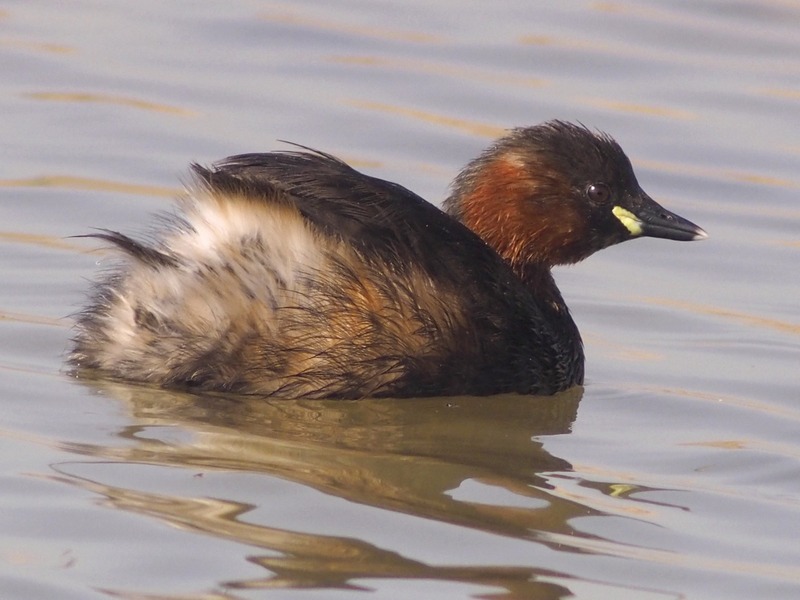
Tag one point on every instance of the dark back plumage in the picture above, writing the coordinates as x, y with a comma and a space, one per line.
382, 219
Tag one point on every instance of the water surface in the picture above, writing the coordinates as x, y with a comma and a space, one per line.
674, 473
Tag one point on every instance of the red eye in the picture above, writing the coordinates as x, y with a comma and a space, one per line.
599, 193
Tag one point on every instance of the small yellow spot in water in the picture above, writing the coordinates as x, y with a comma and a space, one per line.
619, 490
627, 218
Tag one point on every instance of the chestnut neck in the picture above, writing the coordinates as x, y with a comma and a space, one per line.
522, 217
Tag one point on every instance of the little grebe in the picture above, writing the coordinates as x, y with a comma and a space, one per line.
291, 274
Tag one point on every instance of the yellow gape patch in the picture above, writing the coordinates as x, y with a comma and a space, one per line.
627, 218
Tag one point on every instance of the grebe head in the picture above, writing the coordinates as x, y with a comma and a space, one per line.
556, 193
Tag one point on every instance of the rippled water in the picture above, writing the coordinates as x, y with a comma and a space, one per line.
674, 473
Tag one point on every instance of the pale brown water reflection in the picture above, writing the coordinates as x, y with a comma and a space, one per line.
408, 456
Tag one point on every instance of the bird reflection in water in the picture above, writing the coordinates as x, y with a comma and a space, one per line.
408, 456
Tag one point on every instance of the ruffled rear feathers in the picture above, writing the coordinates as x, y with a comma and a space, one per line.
243, 293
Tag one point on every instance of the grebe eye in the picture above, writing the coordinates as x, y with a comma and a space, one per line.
598, 193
